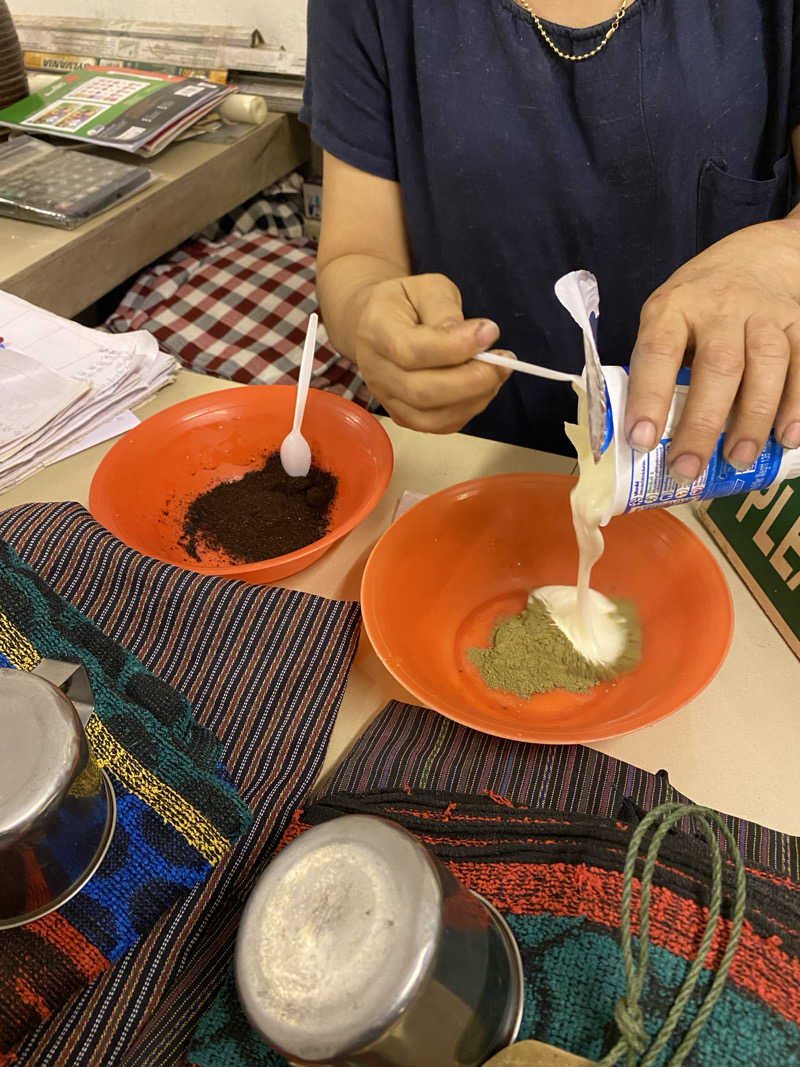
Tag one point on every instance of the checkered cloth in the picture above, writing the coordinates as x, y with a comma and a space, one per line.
277, 211
234, 301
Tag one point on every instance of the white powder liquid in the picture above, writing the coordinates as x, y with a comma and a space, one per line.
587, 618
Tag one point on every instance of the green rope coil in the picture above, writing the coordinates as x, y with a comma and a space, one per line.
634, 1039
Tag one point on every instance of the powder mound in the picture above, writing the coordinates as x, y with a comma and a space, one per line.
529, 654
266, 513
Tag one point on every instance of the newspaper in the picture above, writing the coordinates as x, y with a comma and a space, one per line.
131, 110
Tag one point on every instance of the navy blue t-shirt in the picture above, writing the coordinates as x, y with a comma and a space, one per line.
517, 166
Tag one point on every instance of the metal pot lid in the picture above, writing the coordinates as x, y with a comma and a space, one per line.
41, 750
338, 936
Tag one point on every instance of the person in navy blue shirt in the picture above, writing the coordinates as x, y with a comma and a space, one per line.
475, 150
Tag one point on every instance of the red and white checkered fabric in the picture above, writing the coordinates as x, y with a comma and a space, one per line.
237, 308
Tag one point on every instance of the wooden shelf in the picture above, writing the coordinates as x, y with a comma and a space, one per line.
67, 270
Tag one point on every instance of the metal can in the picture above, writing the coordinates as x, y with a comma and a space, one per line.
357, 947
57, 807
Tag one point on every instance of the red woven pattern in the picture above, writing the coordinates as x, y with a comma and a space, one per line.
544, 884
64, 959
676, 924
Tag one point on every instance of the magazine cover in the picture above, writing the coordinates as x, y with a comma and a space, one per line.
124, 109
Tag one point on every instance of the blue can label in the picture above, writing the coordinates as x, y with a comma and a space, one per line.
651, 486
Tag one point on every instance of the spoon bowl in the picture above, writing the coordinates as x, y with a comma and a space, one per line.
295, 455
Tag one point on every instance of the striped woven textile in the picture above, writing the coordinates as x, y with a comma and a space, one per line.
411, 747
176, 815
264, 669
557, 879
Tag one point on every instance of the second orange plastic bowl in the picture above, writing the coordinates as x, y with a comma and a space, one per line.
142, 487
445, 572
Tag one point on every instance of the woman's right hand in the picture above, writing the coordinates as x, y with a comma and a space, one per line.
406, 332
415, 350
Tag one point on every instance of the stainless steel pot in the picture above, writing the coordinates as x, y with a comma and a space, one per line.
57, 807
357, 947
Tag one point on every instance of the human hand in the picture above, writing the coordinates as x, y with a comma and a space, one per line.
735, 307
415, 351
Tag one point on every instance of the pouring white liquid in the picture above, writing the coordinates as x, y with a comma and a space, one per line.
589, 620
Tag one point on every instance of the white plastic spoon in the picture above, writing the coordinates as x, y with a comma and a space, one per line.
526, 368
295, 450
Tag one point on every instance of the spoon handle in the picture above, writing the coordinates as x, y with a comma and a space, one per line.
304, 377
526, 368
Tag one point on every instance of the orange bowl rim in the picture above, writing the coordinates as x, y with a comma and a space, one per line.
429, 699
318, 547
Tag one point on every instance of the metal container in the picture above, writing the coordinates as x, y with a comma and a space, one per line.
357, 947
57, 807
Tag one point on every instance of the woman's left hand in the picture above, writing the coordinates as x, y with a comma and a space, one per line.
736, 308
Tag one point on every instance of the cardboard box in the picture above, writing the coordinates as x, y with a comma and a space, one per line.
760, 534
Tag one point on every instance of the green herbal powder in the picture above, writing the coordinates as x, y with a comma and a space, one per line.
530, 654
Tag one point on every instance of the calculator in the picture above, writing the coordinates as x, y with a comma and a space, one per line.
59, 186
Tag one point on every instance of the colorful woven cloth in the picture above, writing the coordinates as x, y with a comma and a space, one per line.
557, 879
176, 815
413, 749
263, 668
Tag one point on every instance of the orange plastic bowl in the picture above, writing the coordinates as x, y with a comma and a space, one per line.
142, 487
442, 576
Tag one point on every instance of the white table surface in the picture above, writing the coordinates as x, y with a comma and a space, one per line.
735, 747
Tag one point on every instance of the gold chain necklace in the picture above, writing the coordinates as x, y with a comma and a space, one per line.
612, 29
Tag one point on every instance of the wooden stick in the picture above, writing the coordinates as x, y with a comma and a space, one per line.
537, 1054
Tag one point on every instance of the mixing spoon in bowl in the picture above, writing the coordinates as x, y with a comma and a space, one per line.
295, 450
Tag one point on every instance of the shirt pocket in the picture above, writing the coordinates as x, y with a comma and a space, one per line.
726, 203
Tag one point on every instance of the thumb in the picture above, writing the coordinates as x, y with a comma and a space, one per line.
436, 302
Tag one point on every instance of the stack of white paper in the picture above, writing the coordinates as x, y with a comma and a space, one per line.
61, 383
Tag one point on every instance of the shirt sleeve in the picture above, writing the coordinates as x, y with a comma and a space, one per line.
346, 100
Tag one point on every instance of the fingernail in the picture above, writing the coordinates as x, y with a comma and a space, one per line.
791, 436
743, 455
643, 435
685, 468
486, 333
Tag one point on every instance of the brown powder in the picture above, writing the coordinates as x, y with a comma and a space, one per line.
530, 654
266, 513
